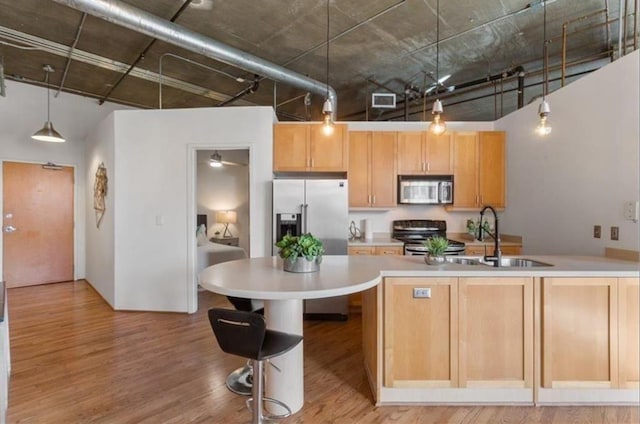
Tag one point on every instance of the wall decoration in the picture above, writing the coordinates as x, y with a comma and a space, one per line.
99, 193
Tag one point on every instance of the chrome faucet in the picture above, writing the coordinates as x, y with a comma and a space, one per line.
496, 258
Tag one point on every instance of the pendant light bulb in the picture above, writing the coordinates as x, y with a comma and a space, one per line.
215, 161
437, 126
543, 127
327, 121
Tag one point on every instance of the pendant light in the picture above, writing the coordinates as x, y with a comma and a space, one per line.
543, 127
48, 133
327, 108
437, 125
215, 161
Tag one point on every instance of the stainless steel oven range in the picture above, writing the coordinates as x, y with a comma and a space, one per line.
413, 232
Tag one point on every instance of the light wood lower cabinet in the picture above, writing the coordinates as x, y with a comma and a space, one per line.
355, 299
629, 332
495, 332
420, 334
480, 250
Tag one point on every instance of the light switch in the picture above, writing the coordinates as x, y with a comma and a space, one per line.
631, 210
159, 220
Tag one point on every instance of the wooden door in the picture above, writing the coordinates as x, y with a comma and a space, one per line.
579, 333
629, 324
465, 170
420, 334
38, 203
359, 161
496, 332
410, 155
329, 153
438, 154
290, 147
383, 169
491, 168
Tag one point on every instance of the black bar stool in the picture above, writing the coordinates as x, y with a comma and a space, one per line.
240, 381
245, 334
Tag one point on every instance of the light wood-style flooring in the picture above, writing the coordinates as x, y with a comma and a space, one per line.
75, 360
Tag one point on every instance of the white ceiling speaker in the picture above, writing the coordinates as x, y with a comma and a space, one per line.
383, 100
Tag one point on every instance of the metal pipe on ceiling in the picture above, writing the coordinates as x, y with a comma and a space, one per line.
120, 13
73, 47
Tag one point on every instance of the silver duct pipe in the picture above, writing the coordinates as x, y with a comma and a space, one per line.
138, 20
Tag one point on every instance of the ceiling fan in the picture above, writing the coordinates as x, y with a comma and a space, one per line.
215, 161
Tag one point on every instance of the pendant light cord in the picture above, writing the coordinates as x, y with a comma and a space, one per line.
544, 48
327, 49
46, 77
437, 46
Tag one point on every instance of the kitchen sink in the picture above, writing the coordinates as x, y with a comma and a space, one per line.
462, 261
517, 263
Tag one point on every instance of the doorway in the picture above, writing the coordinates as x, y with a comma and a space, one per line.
38, 223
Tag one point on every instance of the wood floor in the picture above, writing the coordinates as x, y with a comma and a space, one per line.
74, 360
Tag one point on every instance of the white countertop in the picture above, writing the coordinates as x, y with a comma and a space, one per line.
376, 241
263, 278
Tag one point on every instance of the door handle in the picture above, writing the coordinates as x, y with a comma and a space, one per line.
9, 229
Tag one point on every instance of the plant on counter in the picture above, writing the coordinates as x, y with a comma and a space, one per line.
306, 245
436, 246
473, 226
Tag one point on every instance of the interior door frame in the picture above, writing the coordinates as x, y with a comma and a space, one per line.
192, 196
75, 210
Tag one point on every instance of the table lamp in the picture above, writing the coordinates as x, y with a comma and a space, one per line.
226, 218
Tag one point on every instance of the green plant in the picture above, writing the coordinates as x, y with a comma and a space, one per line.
436, 246
306, 245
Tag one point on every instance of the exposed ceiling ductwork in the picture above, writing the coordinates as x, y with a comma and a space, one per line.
125, 15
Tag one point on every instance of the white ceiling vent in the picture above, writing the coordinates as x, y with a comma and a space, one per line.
383, 100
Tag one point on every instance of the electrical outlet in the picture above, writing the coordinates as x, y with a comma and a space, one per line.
614, 233
597, 231
631, 210
422, 292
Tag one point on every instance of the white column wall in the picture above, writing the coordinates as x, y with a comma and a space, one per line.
560, 186
100, 254
24, 111
155, 167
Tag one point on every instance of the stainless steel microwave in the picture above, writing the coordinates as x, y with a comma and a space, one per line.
428, 189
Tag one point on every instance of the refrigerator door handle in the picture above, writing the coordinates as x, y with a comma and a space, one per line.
305, 218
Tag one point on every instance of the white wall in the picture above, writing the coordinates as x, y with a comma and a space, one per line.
225, 188
560, 186
155, 164
100, 254
23, 111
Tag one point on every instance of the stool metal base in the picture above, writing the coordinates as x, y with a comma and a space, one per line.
240, 381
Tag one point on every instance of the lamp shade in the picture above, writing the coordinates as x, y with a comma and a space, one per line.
226, 217
48, 133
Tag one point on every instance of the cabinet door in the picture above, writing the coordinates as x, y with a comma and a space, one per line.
359, 160
361, 250
329, 153
465, 170
383, 169
420, 334
579, 333
629, 324
438, 154
491, 169
290, 147
496, 332
389, 250
410, 153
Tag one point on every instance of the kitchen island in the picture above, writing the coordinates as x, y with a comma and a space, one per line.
565, 333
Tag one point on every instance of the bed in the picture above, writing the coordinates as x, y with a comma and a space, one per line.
210, 253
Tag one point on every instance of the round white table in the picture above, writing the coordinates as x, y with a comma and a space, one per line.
283, 294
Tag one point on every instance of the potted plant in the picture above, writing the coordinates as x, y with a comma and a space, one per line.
300, 253
436, 246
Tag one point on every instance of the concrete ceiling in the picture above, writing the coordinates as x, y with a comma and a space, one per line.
376, 46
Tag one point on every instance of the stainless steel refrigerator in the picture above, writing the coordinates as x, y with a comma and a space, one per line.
319, 207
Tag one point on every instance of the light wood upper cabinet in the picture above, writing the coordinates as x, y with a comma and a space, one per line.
420, 334
304, 148
478, 169
424, 153
372, 169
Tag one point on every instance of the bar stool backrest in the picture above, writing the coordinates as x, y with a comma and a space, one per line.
238, 332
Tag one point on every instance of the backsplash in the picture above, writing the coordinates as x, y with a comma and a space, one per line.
380, 221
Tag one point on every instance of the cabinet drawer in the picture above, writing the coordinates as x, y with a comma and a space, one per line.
388, 250
361, 250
